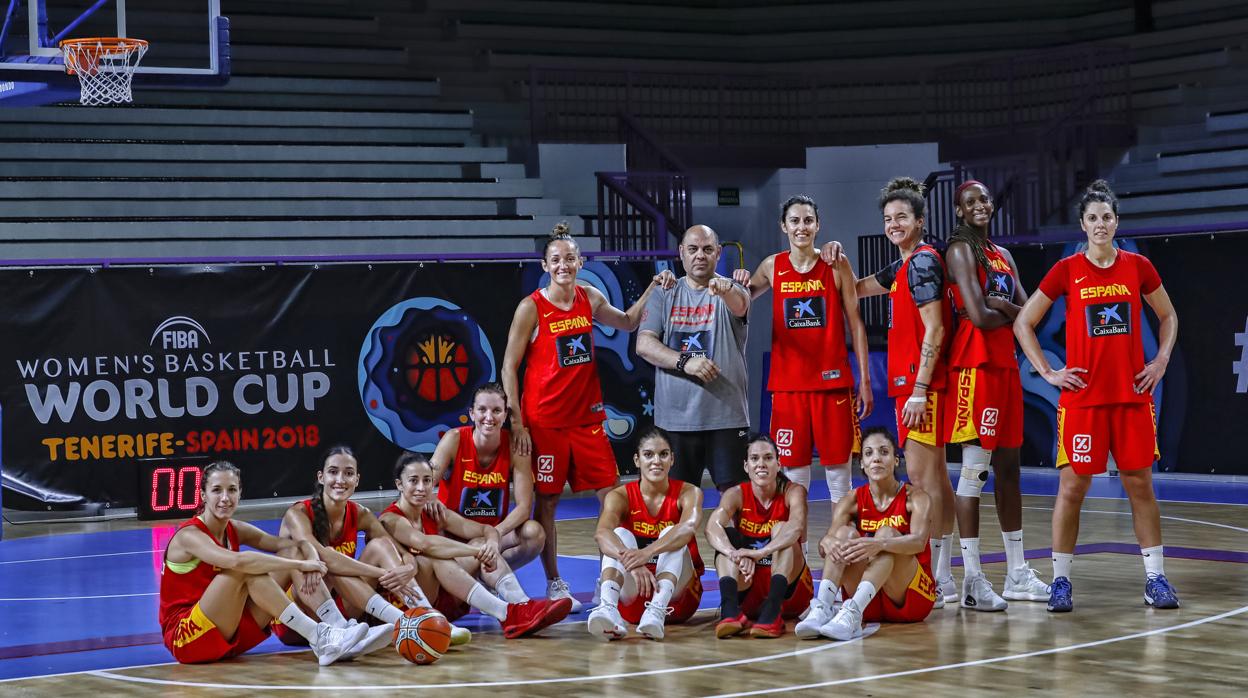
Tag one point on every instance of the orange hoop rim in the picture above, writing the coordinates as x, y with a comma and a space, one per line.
91, 48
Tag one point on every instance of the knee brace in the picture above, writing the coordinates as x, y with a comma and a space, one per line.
974, 471
838, 480
799, 475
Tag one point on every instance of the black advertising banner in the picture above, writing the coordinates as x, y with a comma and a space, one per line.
265, 366
1205, 389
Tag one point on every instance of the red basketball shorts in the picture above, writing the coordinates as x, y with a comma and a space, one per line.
800, 592
985, 404
579, 455
932, 431
1088, 435
684, 604
193, 639
920, 596
824, 419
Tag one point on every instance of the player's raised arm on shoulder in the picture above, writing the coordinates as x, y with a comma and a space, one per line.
443, 458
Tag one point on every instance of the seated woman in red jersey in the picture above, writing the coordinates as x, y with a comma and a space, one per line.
558, 417
757, 533
216, 602
452, 572
918, 323
330, 522
876, 551
1106, 406
651, 569
479, 473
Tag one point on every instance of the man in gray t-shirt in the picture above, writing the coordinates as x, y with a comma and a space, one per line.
694, 335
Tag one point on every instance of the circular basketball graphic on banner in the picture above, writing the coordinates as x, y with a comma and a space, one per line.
419, 366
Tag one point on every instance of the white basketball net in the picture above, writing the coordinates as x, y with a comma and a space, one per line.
104, 68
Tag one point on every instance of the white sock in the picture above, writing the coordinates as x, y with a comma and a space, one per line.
487, 602
838, 482
944, 569
800, 475
509, 588
1062, 563
1015, 558
329, 613
863, 594
297, 621
829, 592
970, 557
663, 594
382, 610
1154, 561
937, 544
610, 592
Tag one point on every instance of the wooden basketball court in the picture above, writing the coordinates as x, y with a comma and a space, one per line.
1111, 644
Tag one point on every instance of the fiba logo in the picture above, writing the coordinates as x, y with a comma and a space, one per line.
179, 332
988, 422
436, 366
784, 441
1081, 445
545, 468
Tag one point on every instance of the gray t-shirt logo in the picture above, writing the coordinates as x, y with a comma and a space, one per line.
697, 343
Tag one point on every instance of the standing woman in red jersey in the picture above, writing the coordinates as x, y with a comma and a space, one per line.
1106, 406
560, 415
330, 522
986, 397
216, 602
918, 320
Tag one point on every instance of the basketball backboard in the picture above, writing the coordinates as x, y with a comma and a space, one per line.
189, 42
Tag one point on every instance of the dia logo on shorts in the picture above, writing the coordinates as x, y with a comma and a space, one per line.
784, 440
1081, 444
989, 418
545, 464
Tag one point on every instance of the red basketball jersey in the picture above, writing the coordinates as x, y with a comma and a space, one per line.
180, 592
646, 526
479, 494
905, 332
972, 347
755, 521
428, 525
561, 387
348, 539
807, 330
1103, 324
895, 516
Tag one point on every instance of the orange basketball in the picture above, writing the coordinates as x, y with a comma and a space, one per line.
422, 635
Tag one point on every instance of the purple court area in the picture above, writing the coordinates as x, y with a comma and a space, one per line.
80, 602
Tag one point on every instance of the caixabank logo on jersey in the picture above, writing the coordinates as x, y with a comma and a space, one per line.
1109, 319
419, 365
152, 401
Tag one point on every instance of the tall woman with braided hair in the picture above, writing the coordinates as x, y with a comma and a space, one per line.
330, 522
986, 396
1106, 406
919, 318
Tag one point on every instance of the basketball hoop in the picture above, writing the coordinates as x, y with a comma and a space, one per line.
104, 66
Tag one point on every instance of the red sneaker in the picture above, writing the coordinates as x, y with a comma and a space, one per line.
531, 616
770, 630
732, 626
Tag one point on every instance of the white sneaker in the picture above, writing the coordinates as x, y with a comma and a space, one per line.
816, 617
460, 636
948, 590
331, 643
376, 637
977, 594
559, 589
606, 624
846, 624
1022, 584
653, 620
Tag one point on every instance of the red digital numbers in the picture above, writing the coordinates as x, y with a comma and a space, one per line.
176, 489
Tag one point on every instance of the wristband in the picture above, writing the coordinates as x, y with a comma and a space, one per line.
684, 359
925, 386
915, 400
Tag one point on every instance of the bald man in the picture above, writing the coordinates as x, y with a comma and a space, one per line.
694, 335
